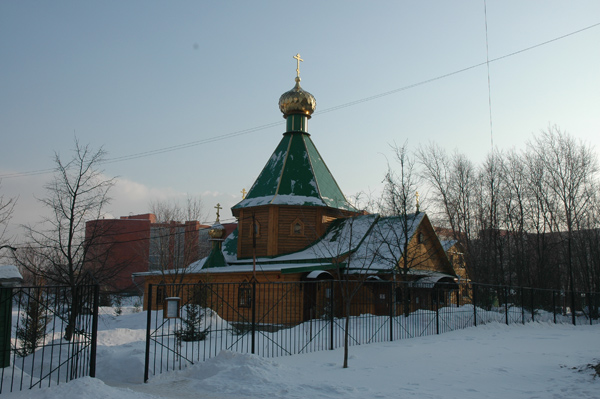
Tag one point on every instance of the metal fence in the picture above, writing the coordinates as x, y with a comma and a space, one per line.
47, 335
188, 323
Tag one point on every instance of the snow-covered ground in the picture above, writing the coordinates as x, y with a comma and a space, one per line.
536, 360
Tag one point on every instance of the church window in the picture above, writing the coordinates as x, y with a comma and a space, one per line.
245, 295
420, 238
254, 228
297, 228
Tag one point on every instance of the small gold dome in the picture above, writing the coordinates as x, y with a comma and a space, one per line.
297, 101
216, 231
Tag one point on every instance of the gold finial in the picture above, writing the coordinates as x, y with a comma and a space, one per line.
417, 195
298, 59
244, 192
218, 208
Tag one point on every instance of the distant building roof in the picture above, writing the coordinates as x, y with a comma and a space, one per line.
9, 275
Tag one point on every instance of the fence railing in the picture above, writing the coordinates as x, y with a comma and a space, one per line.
188, 323
47, 335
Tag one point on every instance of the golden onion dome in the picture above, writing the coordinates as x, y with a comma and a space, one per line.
216, 231
297, 101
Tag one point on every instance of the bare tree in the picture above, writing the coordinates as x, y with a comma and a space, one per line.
453, 181
400, 200
352, 251
437, 172
174, 238
31, 265
78, 192
517, 214
513, 203
571, 172
406, 244
7, 206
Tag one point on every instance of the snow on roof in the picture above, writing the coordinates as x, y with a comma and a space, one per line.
229, 247
262, 267
10, 273
281, 200
344, 236
447, 244
432, 280
374, 243
384, 246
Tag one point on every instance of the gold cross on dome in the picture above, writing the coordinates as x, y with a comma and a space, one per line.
218, 208
298, 59
244, 192
417, 195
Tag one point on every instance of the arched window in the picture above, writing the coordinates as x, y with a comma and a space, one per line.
254, 228
245, 295
297, 228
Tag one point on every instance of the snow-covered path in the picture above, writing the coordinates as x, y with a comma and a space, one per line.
536, 360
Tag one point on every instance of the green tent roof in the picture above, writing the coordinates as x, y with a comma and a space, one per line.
215, 258
296, 175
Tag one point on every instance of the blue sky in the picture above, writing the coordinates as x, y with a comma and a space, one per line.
139, 76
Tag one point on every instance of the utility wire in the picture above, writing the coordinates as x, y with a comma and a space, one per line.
487, 56
331, 109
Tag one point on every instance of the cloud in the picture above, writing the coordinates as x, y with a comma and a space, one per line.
28, 210
127, 197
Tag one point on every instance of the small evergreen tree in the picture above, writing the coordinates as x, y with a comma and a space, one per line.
32, 329
137, 305
191, 325
118, 305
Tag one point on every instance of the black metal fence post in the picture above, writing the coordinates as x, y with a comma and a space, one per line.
94, 343
148, 324
589, 295
573, 318
594, 309
253, 315
474, 287
5, 325
522, 307
391, 302
554, 305
437, 294
332, 314
506, 291
532, 304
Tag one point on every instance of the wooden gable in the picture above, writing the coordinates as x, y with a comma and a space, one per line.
425, 251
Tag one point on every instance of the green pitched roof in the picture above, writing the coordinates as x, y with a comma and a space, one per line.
215, 258
296, 175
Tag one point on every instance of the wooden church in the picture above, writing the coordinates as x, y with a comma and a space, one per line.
295, 225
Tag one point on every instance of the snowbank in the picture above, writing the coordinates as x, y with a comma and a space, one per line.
491, 361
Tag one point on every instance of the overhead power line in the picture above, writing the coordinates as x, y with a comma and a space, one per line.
487, 56
331, 109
